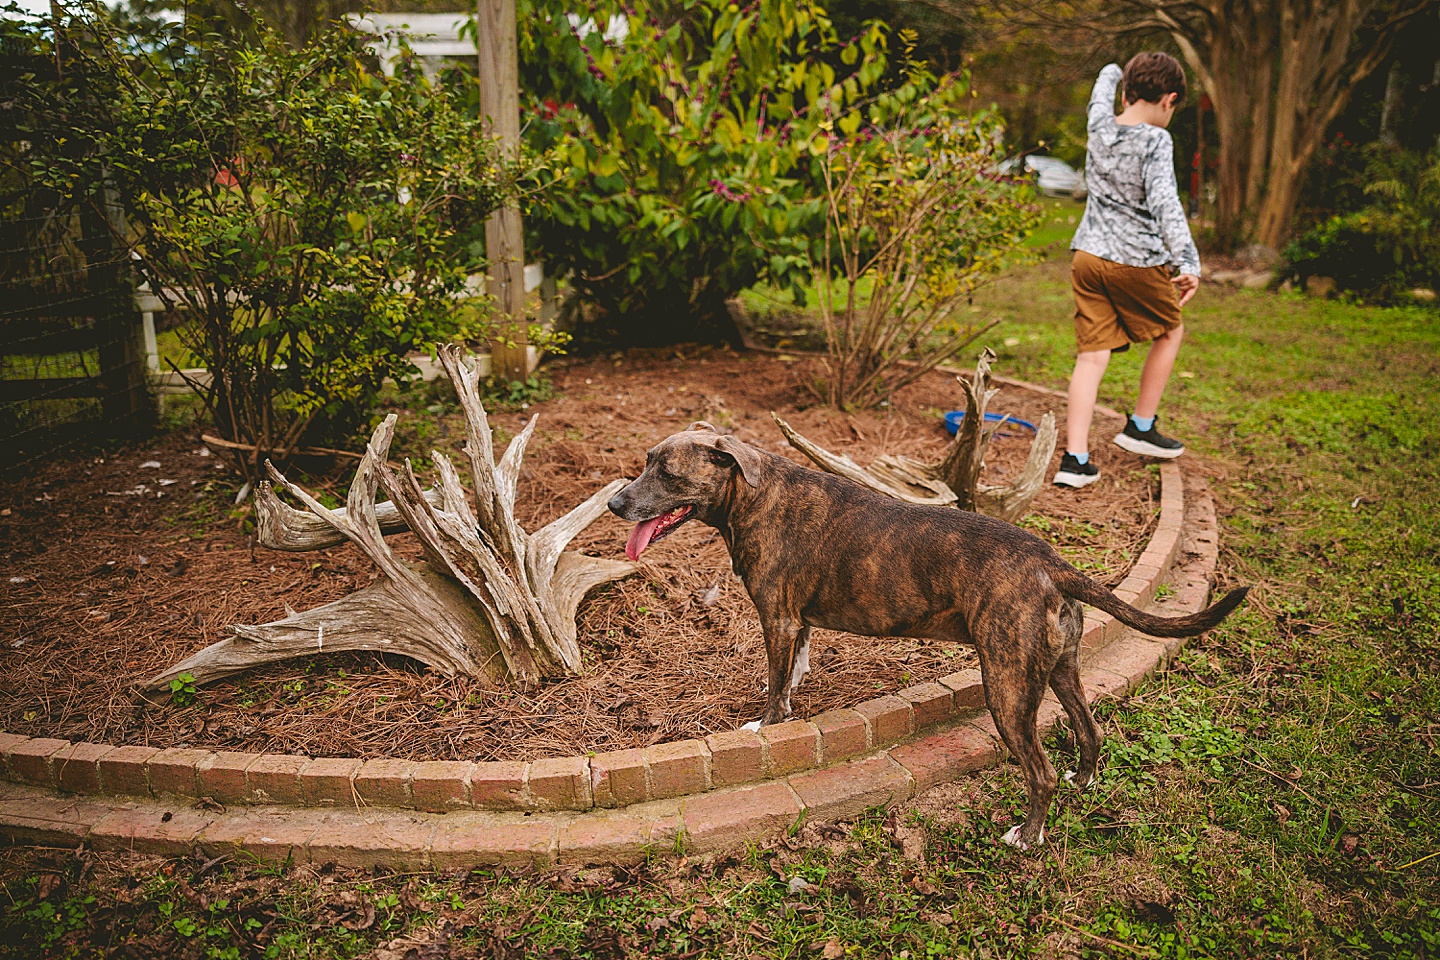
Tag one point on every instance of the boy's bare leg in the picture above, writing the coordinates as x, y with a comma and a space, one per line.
1084, 388
1154, 376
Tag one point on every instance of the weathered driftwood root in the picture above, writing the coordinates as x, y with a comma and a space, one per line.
489, 600
280, 526
956, 479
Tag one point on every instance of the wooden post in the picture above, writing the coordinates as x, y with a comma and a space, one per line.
504, 232
125, 395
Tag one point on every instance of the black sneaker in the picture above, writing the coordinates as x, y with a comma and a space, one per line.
1073, 473
1148, 443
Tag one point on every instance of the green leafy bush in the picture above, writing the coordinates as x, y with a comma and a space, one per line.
1389, 247
682, 151
314, 220
914, 219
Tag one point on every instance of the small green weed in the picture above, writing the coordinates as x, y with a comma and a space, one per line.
182, 690
515, 395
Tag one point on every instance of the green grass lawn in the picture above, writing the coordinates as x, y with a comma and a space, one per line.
1276, 794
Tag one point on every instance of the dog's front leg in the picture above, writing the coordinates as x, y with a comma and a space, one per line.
780, 636
799, 664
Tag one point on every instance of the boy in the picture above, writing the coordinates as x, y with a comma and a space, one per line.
1133, 230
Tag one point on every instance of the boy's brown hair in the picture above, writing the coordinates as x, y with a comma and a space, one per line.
1149, 76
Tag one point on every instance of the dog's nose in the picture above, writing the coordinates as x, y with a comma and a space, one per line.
617, 503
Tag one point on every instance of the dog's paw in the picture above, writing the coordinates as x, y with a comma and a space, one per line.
1072, 778
1012, 837
752, 726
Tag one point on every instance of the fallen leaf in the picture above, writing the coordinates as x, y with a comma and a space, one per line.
1104, 820
1153, 911
832, 950
922, 886
364, 921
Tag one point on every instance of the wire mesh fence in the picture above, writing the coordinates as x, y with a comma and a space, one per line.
72, 365
71, 371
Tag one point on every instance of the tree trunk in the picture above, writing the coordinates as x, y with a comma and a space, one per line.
504, 232
1279, 72
489, 600
1394, 90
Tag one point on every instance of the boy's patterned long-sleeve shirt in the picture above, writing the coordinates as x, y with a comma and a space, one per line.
1133, 215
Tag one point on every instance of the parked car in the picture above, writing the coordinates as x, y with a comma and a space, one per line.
1053, 176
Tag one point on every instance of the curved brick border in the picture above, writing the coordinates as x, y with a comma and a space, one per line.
353, 834
618, 778
614, 779
712, 793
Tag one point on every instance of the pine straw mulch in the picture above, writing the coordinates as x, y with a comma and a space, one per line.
107, 577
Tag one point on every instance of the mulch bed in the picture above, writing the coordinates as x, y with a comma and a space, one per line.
109, 574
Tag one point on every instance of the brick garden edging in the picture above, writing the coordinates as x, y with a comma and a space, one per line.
614, 779
555, 810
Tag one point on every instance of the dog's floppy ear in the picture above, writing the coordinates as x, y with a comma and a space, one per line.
701, 425
745, 456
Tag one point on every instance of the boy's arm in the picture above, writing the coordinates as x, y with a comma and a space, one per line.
1102, 96
1163, 199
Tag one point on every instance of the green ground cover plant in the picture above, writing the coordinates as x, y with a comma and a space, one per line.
1276, 793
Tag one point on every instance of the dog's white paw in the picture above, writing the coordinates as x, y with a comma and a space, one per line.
1012, 837
752, 726
1070, 778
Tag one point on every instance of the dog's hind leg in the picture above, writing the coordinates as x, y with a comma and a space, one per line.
1065, 681
1015, 672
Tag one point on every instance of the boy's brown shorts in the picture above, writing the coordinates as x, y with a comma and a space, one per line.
1117, 305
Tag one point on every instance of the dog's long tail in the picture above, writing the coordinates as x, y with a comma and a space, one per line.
1076, 585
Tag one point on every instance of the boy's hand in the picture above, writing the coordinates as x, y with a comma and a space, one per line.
1188, 283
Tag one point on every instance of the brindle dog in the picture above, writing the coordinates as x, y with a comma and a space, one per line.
816, 550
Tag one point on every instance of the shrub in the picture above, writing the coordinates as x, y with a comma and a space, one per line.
316, 221
1389, 247
914, 220
682, 150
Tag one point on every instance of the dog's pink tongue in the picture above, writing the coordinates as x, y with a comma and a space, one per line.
640, 537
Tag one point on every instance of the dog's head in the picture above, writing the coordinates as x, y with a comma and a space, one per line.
686, 474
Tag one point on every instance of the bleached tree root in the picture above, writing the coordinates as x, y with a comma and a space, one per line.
489, 599
955, 479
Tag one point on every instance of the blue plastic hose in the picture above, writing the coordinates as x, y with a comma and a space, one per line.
953, 418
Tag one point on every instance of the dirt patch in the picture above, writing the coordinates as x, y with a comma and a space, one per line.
108, 574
